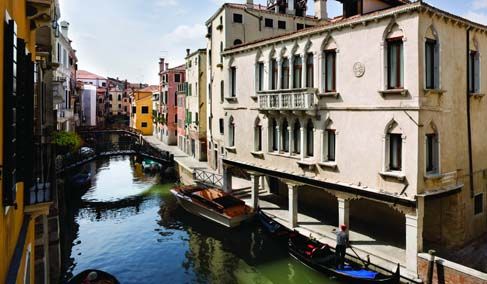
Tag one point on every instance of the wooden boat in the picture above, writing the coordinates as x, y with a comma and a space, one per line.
94, 276
271, 226
81, 179
213, 204
321, 257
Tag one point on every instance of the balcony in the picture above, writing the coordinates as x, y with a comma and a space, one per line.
286, 101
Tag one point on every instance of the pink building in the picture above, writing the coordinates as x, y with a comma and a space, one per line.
170, 79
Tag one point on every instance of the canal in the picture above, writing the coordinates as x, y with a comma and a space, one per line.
128, 224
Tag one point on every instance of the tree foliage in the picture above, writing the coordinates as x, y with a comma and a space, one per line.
66, 141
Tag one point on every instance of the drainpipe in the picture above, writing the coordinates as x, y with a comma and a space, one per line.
258, 17
469, 124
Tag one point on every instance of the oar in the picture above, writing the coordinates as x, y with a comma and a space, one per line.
365, 264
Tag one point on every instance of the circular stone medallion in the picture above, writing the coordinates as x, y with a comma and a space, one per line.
358, 69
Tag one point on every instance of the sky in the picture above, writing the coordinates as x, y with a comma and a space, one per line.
126, 38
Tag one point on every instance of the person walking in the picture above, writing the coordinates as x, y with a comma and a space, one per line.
342, 244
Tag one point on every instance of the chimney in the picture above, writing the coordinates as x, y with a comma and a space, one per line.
250, 3
64, 28
161, 64
320, 10
290, 7
167, 67
188, 51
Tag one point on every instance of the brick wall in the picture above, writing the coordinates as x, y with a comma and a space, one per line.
444, 274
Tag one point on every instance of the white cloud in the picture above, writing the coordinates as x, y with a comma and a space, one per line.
477, 17
186, 34
479, 4
166, 3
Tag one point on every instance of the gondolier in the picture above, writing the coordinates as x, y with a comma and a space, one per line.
342, 244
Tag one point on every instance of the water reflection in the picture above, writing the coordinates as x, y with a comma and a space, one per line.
129, 225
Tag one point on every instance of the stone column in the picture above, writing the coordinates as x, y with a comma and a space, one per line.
414, 236
343, 212
254, 199
227, 180
293, 205
279, 136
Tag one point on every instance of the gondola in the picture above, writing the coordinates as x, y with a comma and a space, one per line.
94, 276
321, 257
81, 179
272, 227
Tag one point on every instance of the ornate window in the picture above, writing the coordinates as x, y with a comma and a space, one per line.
285, 74
297, 137
309, 139
394, 57
274, 74
330, 70
285, 136
274, 135
309, 70
297, 71
258, 135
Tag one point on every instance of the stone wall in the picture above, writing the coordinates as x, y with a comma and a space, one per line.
446, 272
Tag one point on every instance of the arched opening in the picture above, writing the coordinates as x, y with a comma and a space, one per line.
231, 132
394, 57
432, 59
297, 137
237, 42
258, 135
285, 136
274, 135
310, 139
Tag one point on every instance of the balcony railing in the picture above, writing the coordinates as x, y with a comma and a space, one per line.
286, 101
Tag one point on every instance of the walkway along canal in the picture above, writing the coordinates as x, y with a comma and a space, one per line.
127, 223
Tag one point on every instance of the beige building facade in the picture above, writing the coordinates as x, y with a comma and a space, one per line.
196, 125
233, 25
380, 113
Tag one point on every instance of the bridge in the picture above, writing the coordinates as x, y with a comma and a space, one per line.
129, 142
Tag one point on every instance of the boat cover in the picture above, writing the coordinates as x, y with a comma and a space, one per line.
358, 273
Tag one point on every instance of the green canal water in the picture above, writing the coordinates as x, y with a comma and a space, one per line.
128, 224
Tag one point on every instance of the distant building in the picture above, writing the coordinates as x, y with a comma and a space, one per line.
88, 105
101, 84
141, 115
170, 79
65, 80
195, 103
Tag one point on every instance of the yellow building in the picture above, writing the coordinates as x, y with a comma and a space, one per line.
18, 212
141, 116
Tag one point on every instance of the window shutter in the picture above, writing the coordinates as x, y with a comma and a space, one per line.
9, 113
437, 65
477, 73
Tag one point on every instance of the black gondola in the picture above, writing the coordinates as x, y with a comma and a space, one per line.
94, 276
321, 257
271, 226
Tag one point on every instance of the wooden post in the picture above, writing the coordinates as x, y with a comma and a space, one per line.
431, 266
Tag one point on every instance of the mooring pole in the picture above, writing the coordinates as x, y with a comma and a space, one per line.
431, 266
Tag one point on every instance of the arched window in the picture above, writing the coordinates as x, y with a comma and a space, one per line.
394, 57
329, 143
237, 42
474, 67
432, 153
285, 74
285, 136
275, 137
309, 70
258, 135
432, 59
394, 141
297, 137
297, 71
274, 73
231, 132
309, 139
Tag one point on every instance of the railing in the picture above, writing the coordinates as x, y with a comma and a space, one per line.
286, 101
108, 129
208, 178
